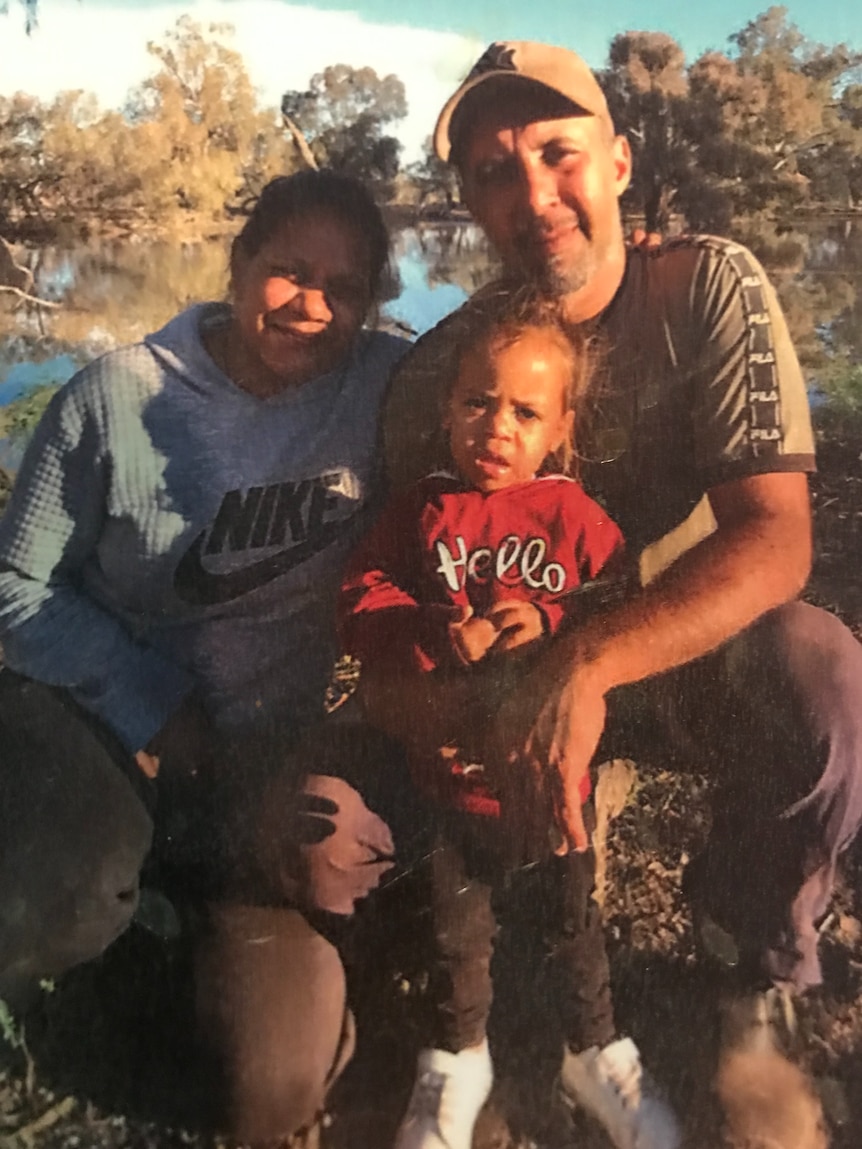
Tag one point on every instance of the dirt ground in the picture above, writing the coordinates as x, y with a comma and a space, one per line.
107, 1060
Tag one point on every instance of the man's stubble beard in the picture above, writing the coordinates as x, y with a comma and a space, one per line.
554, 277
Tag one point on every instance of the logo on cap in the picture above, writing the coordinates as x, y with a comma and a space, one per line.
496, 58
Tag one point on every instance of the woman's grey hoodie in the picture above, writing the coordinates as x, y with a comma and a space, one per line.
170, 531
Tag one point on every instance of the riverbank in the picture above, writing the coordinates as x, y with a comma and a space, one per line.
108, 1061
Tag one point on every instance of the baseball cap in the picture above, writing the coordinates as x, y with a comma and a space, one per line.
558, 70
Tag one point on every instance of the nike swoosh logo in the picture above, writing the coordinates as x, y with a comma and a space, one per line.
196, 585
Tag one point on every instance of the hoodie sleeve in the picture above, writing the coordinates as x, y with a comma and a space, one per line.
51, 630
381, 620
599, 552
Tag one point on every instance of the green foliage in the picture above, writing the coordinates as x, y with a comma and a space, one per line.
191, 139
773, 127
841, 385
21, 416
343, 115
10, 1030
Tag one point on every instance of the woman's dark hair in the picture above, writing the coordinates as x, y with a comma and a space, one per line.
310, 191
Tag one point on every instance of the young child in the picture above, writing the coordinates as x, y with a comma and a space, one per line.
467, 573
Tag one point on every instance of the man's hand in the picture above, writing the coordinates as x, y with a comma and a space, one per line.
346, 847
564, 739
148, 763
647, 240
555, 743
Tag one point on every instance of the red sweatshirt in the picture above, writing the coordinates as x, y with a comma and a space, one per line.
442, 545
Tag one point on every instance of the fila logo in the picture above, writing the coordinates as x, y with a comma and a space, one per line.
514, 561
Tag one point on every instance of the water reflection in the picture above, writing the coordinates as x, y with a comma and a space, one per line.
115, 292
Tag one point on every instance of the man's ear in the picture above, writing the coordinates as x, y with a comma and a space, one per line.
621, 155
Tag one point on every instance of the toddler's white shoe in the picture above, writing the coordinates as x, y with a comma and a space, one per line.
449, 1091
610, 1085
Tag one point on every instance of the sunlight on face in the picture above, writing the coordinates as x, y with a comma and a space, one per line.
508, 410
300, 301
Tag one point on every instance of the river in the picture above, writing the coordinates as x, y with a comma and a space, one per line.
114, 292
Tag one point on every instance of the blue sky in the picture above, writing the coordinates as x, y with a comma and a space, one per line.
589, 27
100, 45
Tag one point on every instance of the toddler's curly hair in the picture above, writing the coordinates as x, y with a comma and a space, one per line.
497, 319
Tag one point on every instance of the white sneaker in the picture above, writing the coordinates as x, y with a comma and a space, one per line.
450, 1090
610, 1085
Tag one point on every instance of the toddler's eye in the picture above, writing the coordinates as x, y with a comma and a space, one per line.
527, 414
476, 403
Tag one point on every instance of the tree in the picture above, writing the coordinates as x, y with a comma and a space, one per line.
435, 183
646, 87
31, 13
763, 130
343, 116
198, 117
27, 173
795, 122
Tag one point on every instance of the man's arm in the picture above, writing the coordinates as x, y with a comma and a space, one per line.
757, 559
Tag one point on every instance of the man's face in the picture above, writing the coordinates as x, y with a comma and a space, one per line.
546, 191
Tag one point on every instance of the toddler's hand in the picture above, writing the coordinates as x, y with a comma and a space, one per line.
516, 624
472, 636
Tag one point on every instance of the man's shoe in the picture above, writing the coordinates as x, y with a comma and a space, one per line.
766, 1099
610, 1085
450, 1090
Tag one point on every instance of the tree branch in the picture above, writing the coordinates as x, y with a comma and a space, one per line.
300, 141
30, 298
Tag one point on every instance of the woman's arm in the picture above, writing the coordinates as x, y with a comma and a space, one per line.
51, 630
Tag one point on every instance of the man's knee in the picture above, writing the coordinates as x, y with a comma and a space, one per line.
271, 1006
824, 662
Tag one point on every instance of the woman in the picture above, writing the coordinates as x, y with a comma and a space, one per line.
168, 567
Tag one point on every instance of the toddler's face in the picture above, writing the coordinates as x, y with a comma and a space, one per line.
507, 411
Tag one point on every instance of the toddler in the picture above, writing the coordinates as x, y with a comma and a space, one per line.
467, 573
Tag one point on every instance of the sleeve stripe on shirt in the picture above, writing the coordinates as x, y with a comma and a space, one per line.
765, 432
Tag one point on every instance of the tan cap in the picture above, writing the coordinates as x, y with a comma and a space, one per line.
557, 69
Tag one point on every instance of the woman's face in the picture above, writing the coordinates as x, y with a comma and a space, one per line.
299, 302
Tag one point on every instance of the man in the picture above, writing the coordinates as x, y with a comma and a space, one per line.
698, 443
